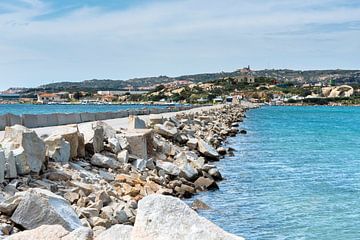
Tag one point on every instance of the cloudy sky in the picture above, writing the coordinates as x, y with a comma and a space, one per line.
44, 41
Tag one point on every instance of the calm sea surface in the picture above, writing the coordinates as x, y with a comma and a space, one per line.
44, 109
295, 175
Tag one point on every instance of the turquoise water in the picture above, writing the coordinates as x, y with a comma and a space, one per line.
45, 109
295, 175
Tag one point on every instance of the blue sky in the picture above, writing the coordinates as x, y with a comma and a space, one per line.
44, 41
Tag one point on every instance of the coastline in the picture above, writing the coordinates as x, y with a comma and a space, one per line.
169, 153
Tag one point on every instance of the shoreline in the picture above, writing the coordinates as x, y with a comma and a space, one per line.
115, 164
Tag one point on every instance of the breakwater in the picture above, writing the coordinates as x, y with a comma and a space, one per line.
56, 119
96, 179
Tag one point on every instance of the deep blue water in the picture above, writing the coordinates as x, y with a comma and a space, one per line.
295, 175
75, 108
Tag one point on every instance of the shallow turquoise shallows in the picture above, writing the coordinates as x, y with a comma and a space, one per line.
295, 175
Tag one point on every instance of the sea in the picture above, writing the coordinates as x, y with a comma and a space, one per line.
19, 109
295, 175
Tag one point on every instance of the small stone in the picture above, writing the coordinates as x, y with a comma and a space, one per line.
71, 196
100, 160
199, 205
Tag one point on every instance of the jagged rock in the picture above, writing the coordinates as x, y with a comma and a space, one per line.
242, 131
41, 207
72, 196
136, 123
199, 205
188, 172
2, 166
167, 129
9, 205
57, 176
163, 217
114, 145
204, 183
72, 135
116, 232
83, 233
109, 132
123, 156
140, 142
192, 143
57, 148
207, 150
106, 175
215, 173
100, 160
27, 147
155, 119
139, 164
10, 166
221, 150
168, 167
94, 138
124, 144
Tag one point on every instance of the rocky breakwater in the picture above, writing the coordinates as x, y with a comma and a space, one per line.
91, 181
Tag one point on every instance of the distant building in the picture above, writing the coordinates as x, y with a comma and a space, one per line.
119, 93
246, 75
48, 97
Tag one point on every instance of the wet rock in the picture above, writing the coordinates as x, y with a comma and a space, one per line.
40, 207
221, 150
242, 131
204, 183
164, 218
207, 150
199, 205
100, 160
27, 147
215, 174
57, 148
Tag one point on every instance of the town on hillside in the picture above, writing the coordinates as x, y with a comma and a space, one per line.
276, 87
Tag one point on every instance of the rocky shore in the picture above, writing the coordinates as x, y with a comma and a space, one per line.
96, 182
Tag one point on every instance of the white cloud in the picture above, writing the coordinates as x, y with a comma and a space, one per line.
172, 37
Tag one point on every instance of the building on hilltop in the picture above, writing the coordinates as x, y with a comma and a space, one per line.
245, 75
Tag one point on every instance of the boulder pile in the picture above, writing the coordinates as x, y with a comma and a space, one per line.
88, 180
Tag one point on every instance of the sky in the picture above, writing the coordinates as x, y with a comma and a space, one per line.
45, 41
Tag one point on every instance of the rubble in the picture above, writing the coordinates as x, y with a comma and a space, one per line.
94, 176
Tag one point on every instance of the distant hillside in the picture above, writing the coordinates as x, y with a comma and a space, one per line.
281, 75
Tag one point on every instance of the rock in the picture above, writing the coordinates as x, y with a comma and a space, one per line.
207, 150
167, 129
41, 207
199, 205
93, 136
136, 123
124, 144
2, 166
114, 145
72, 135
71, 196
106, 175
116, 232
155, 119
104, 197
204, 183
10, 166
9, 205
5, 229
242, 131
163, 217
82, 233
188, 172
221, 150
57, 148
235, 124
139, 164
168, 167
109, 132
57, 176
215, 173
140, 142
123, 156
27, 147
100, 160
44, 232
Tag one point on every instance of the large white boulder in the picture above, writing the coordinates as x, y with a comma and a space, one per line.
168, 129
103, 161
41, 207
27, 147
72, 135
116, 232
162, 217
57, 148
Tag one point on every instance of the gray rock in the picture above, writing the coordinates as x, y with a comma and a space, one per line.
27, 147
10, 167
215, 173
41, 207
167, 129
106, 175
116, 232
114, 145
163, 217
136, 123
9, 205
168, 167
100, 160
188, 172
207, 150
2, 166
139, 164
45, 232
123, 156
199, 205
57, 148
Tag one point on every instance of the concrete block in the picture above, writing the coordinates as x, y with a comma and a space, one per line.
13, 119
2, 122
52, 119
140, 142
70, 118
30, 120
88, 117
